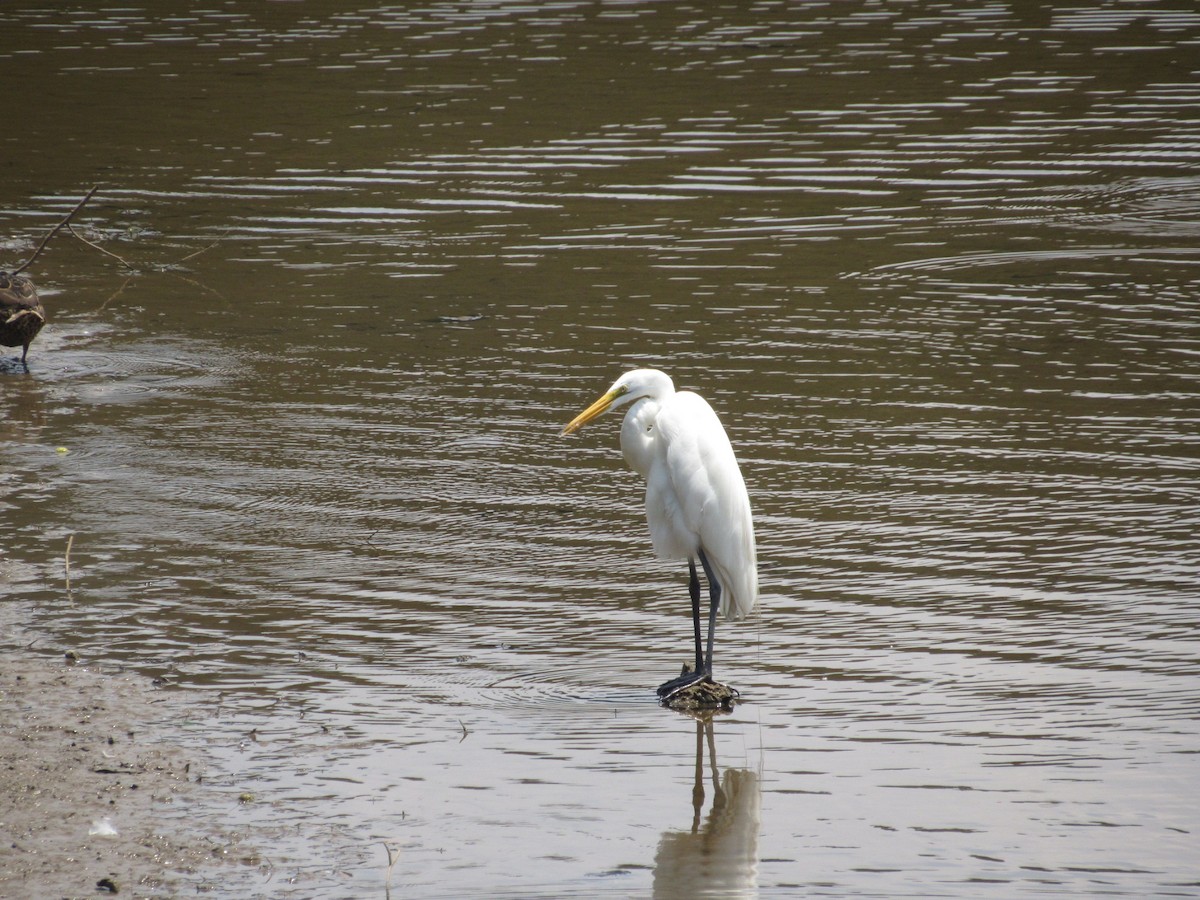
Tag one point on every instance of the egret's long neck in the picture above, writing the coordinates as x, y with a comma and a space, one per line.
639, 432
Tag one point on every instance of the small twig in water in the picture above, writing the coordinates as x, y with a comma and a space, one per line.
115, 294
96, 246
392, 855
67, 563
53, 231
464, 729
203, 249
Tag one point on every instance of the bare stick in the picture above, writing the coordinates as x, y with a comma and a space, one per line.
42, 246
96, 246
393, 855
130, 265
115, 294
203, 249
67, 562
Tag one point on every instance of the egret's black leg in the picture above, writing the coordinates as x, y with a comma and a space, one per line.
699, 671
696, 689
694, 591
714, 595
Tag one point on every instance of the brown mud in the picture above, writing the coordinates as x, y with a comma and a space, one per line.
96, 797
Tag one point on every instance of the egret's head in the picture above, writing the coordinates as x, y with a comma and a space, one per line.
631, 386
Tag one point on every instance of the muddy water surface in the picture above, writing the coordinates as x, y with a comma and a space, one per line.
936, 267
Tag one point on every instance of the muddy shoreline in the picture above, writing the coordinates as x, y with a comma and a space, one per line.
98, 797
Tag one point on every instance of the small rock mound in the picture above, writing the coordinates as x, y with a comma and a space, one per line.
702, 694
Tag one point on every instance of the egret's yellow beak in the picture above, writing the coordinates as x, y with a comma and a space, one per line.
596, 409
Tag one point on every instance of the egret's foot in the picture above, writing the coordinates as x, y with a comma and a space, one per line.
688, 676
694, 690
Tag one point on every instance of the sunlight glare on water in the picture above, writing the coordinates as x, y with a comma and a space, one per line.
935, 267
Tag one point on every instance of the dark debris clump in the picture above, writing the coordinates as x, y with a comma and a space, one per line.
702, 694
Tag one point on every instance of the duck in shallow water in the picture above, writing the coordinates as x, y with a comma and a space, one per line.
21, 313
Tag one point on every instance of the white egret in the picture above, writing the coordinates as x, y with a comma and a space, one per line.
696, 501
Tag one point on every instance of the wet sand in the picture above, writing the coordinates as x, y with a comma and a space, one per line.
84, 754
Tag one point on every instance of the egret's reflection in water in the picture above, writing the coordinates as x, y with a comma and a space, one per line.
718, 855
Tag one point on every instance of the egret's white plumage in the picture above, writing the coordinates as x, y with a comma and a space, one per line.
696, 500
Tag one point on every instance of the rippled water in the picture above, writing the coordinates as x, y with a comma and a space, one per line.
937, 268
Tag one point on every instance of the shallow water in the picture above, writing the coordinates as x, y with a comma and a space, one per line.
938, 270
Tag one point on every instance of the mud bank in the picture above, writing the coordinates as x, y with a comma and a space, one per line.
96, 796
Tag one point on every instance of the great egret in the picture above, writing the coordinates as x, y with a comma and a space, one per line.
696, 501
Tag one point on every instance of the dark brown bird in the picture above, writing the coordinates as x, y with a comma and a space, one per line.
21, 313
